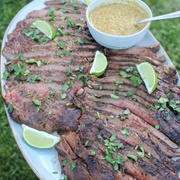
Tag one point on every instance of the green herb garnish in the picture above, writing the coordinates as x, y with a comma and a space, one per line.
112, 138
80, 69
92, 153
70, 23
83, 78
38, 104
86, 143
136, 81
113, 96
33, 78
157, 126
66, 86
124, 74
125, 132
51, 14
64, 162
73, 166
68, 71
10, 108
63, 96
132, 156
81, 41
129, 94
126, 112
111, 148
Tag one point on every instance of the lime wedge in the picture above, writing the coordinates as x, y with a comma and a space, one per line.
39, 139
148, 75
99, 64
45, 28
88, 2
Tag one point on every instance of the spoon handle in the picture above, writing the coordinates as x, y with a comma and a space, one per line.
165, 16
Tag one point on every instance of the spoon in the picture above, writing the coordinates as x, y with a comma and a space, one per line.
165, 16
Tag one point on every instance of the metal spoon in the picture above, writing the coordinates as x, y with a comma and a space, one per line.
165, 16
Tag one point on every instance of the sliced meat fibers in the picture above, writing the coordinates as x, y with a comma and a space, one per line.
110, 127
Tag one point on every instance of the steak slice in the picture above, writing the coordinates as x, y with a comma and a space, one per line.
51, 115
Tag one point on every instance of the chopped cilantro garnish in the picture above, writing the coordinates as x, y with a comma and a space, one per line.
98, 95
141, 154
34, 35
63, 10
37, 103
63, 96
73, 166
170, 95
81, 41
162, 100
112, 138
117, 83
52, 92
66, 53
64, 162
173, 105
19, 70
126, 112
125, 132
60, 32
83, 77
61, 44
98, 115
113, 96
10, 108
132, 156
6, 75
101, 87
68, 71
136, 81
92, 153
51, 14
63, 1
148, 155
74, 4
157, 126
80, 69
33, 78
65, 176
124, 74
130, 69
32, 61
86, 143
70, 23
66, 86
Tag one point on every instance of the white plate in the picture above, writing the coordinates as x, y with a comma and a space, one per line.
45, 162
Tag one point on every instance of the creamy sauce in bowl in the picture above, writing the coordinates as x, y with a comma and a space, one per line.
118, 18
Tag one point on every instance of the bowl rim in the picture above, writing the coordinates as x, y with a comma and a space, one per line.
119, 36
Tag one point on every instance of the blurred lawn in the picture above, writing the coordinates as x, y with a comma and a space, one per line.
13, 166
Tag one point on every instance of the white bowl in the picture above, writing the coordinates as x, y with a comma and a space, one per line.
115, 41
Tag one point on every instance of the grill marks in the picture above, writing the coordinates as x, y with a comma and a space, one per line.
86, 116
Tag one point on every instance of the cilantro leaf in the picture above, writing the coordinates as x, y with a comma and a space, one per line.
136, 81
132, 156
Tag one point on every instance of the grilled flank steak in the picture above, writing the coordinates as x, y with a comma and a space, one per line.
111, 128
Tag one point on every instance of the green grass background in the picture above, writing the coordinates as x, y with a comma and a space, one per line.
13, 165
